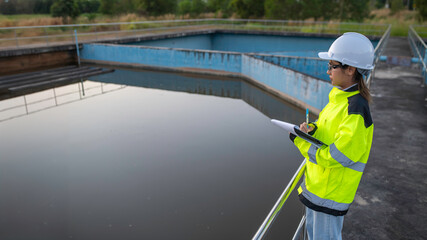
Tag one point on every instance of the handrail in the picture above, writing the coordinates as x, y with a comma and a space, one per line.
279, 204
419, 47
297, 176
377, 53
192, 20
24, 35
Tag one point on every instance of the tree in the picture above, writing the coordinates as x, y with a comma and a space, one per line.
198, 7
159, 7
64, 9
283, 9
184, 7
396, 6
248, 8
421, 7
42, 6
8, 7
222, 6
352, 10
88, 6
107, 6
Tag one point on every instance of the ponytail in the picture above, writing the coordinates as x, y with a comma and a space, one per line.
363, 89
358, 78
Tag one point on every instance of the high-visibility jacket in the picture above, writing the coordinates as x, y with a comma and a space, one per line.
333, 173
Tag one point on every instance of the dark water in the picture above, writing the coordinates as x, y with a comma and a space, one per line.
167, 157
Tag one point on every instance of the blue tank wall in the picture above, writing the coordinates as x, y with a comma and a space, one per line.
301, 89
315, 67
242, 43
162, 57
267, 43
190, 42
307, 90
245, 43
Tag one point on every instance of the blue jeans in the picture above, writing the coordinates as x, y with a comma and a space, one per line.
322, 226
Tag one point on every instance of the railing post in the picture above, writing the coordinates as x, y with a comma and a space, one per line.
299, 229
47, 37
279, 203
16, 38
26, 104
77, 47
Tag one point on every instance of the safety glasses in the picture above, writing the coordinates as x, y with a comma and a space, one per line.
330, 67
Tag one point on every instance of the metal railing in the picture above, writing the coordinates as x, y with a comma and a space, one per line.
17, 37
377, 54
279, 204
419, 48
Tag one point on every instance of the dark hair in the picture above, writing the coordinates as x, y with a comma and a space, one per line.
363, 89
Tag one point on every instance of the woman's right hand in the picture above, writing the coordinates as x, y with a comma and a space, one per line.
305, 128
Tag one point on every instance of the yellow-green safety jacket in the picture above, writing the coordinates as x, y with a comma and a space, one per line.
333, 173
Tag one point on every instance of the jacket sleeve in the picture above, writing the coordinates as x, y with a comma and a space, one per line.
351, 142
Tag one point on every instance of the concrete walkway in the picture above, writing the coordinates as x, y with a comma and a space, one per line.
392, 197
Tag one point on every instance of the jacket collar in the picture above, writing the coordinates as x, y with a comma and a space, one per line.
352, 88
337, 94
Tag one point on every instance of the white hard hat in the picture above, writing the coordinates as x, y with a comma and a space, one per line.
351, 49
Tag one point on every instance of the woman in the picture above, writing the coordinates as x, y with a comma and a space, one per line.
333, 172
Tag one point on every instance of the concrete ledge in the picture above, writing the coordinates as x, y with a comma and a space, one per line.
38, 49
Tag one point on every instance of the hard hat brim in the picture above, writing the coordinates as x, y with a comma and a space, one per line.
324, 55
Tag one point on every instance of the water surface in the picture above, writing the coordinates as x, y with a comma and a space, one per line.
200, 160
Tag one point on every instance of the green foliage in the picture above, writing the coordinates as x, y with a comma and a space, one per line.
396, 5
317, 9
248, 8
184, 7
88, 6
64, 9
192, 7
149, 7
353, 10
107, 6
8, 7
218, 5
421, 7
380, 3
198, 7
159, 7
42, 6
283, 9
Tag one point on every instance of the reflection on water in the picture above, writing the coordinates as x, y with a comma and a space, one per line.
222, 87
39, 101
149, 163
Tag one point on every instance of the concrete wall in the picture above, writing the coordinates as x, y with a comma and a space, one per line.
305, 90
299, 88
244, 43
31, 62
162, 57
314, 67
202, 41
267, 43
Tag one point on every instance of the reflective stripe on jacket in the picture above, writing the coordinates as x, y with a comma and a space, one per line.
333, 173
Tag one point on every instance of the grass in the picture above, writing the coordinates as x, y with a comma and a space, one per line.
400, 24
400, 21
